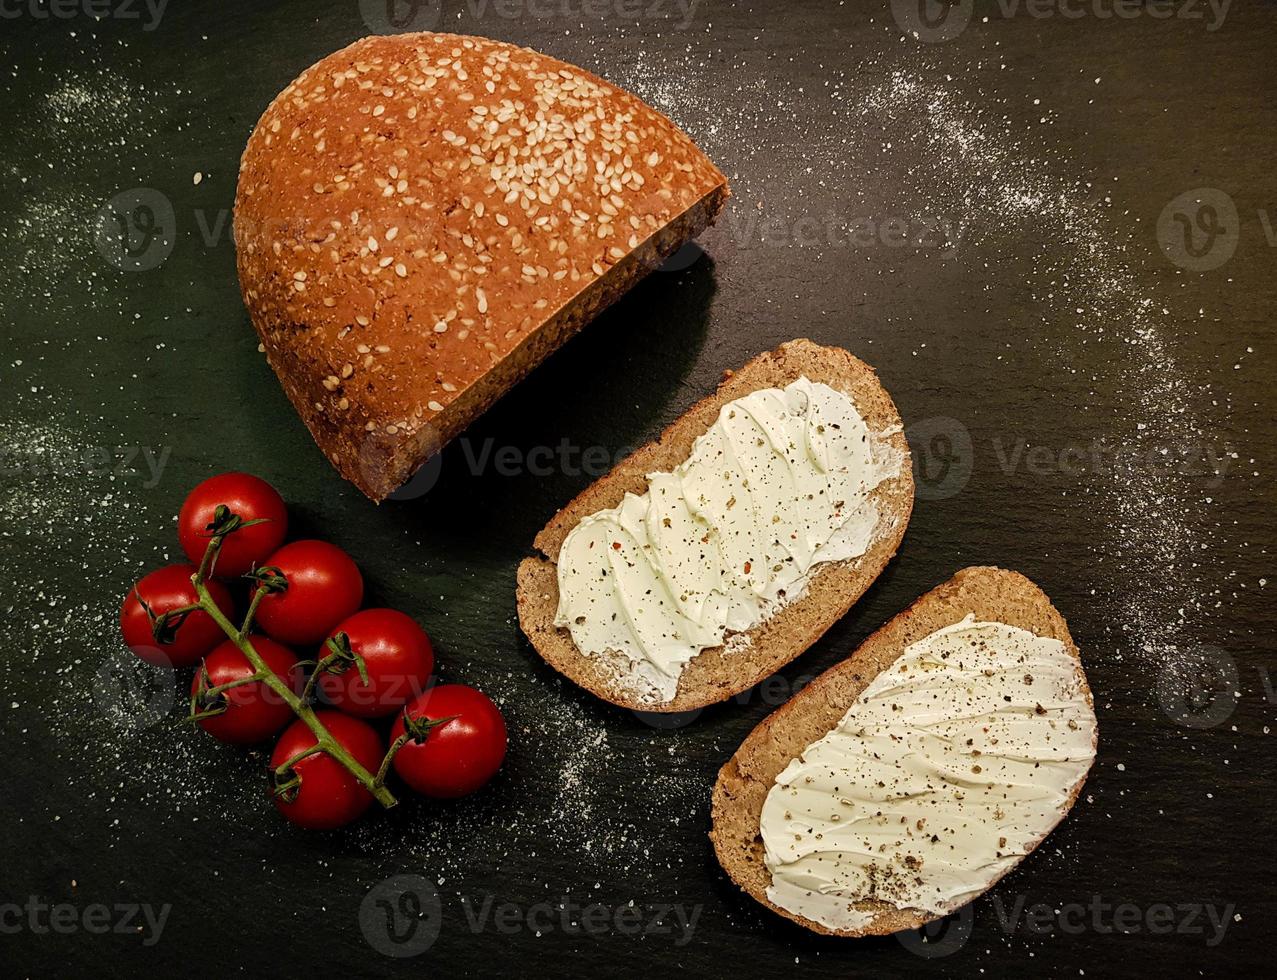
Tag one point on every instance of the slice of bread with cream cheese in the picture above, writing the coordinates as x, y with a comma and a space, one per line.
904, 782
710, 558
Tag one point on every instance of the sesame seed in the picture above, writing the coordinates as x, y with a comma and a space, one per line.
434, 406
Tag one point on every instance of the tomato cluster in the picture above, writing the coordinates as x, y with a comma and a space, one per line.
447, 740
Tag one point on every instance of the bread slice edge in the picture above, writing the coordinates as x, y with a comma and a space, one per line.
719, 673
743, 783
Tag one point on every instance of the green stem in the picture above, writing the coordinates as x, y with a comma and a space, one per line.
258, 595
309, 690
288, 764
395, 746
212, 692
208, 561
323, 740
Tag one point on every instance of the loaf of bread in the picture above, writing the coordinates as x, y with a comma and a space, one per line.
958, 810
421, 219
749, 656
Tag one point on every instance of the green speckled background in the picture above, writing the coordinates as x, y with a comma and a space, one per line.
994, 221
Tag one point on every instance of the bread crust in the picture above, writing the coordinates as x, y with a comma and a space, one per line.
421, 219
719, 673
744, 781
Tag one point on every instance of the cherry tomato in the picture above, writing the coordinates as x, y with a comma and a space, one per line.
324, 587
252, 499
253, 711
327, 795
164, 590
458, 756
397, 656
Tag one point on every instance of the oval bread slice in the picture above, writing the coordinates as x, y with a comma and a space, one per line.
990, 594
718, 673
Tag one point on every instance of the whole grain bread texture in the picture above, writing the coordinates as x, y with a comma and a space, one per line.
421, 219
718, 673
992, 594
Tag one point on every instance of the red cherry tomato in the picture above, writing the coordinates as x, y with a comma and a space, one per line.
397, 656
327, 795
253, 711
252, 499
324, 587
164, 590
459, 756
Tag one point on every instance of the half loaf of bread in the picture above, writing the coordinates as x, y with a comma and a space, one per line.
421, 219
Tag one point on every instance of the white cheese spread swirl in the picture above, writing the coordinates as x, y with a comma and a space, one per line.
950, 766
779, 484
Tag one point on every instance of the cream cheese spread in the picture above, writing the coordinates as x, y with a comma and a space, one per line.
950, 767
777, 485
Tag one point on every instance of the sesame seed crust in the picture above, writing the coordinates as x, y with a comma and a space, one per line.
422, 218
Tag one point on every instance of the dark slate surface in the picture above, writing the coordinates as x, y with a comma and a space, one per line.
995, 220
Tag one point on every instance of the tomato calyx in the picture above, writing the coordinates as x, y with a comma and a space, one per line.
225, 521
286, 788
416, 730
268, 578
339, 659
164, 627
209, 701
286, 781
419, 729
342, 657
